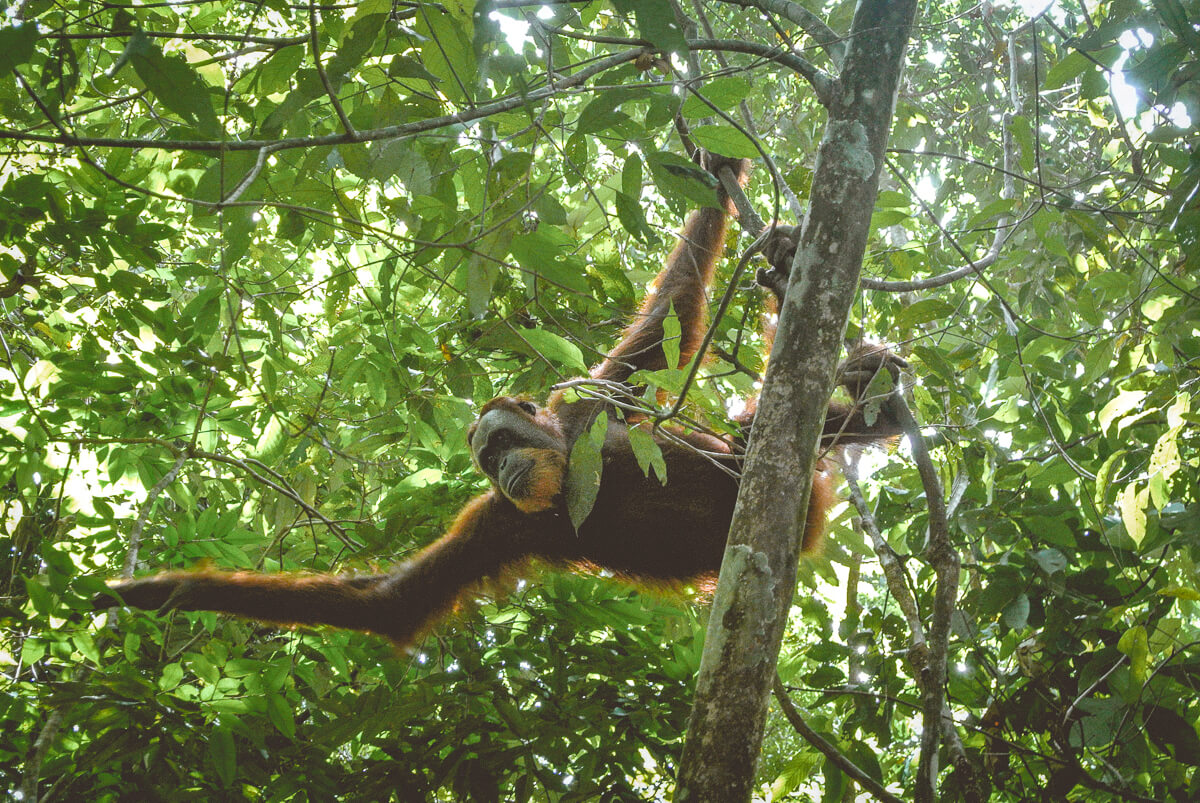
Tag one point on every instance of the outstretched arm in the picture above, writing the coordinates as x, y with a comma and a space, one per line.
485, 539
683, 282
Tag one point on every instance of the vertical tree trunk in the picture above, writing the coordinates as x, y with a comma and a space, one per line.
758, 574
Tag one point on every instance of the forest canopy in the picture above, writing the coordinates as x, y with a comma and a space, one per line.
262, 262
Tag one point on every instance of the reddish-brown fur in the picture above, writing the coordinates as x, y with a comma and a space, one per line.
638, 528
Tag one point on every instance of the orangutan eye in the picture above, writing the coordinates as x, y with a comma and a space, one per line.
528, 407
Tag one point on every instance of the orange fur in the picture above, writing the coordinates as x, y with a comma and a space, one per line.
546, 483
662, 536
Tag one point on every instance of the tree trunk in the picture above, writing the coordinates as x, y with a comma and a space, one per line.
758, 574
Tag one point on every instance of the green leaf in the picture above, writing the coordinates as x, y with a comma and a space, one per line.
601, 114
1125, 401
368, 20
16, 46
276, 73
1097, 728
647, 452
1180, 592
924, 311
86, 646
1169, 730
240, 224
1104, 475
632, 218
281, 715
446, 49
32, 650
631, 178
222, 754
1133, 642
584, 471
39, 596
1065, 70
222, 176
406, 67
725, 140
549, 210
1016, 613
655, 22
546, 252
681, 181
1165, 462
177, 86
272, 441
172, 676
202, 667
799, 770
481, 278
1051, 560
1022, 133
725, 93
1133, 511
671, 337
554, 348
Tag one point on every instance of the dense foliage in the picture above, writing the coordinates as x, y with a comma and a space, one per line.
261, 261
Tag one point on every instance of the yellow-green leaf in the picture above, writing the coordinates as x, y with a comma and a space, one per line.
1133, 512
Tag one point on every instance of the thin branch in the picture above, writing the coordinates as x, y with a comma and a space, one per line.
1009, 309
280, 487
830, 752
33, 764
688, 26
585, 37
747, 217
748, 119
139, 524
898, 581
722, 308
26, 275
942, 556
273, 41
247, 179
821, 81
369, 135
1004, 227
833, 44
347, 126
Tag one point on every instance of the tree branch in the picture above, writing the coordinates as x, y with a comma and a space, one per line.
279, 486
822, 83
139, 524
315, 46
758, 573
826, 749
369, 135
943, 557
829, 40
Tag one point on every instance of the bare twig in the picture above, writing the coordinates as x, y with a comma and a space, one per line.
248, 179
796, 720
899, 583
33, 764
347, 126
942, 556
280, 486
139, 524
829, 40
401, 131
822, 83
